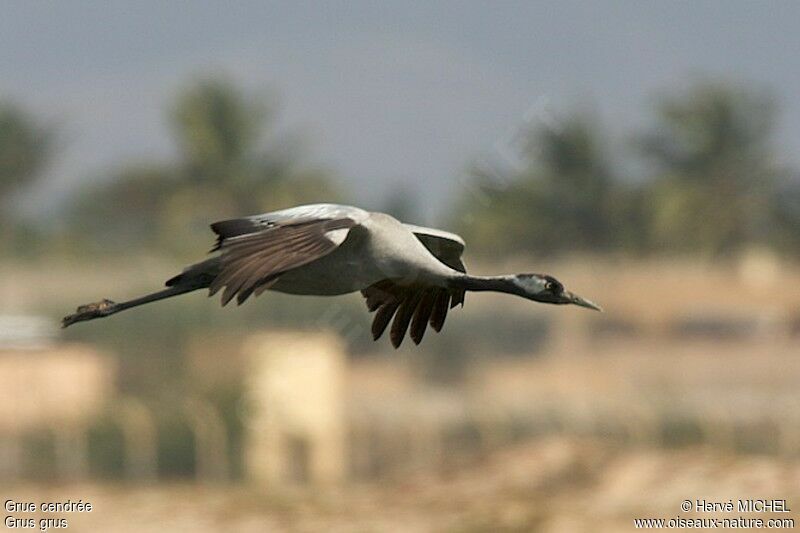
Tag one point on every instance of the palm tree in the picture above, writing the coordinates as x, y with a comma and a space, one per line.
225, 167
562, 200
25, 147
217, 128
226, 164
715, 172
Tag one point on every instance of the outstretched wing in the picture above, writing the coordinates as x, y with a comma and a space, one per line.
414, 308
252, 261
228, 229
410, 306
445, 246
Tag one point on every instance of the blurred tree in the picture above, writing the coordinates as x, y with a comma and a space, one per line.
565, 198
124, 211
221, 131
785, 204
217, 128
716, 172
25, 147
224, 171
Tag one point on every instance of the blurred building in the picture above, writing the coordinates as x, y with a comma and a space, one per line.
47, 386
295, 416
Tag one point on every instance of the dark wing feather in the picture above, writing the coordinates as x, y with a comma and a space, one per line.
252, 261
383, 317
228, 229
439, 312
417, 306
403, 317
446, 247
421, 316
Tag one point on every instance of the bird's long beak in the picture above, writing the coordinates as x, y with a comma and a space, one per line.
583, 302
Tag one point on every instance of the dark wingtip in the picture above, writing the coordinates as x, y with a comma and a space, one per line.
217, 245
243, 295
227, 295
396, 342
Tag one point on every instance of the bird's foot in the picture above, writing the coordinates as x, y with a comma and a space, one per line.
89, 311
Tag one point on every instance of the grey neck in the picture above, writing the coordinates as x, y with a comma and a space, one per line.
485, 283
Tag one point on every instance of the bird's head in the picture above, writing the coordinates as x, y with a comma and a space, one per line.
547, 289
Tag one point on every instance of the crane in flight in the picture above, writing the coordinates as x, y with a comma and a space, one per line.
410, 273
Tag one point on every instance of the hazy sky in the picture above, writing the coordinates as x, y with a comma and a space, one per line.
383, 93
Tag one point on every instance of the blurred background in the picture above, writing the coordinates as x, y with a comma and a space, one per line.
645, 154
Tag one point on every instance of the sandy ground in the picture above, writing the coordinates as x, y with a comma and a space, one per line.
551, 485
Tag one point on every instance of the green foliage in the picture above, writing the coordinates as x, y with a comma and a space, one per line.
176, 446
126, 209
785, 203
106, 449
223, 171
565, 198
24, 148
716, 171
40, 460
217, 128
715, 187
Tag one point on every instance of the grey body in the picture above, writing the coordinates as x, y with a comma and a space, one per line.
378, 247
409, 275
381, 247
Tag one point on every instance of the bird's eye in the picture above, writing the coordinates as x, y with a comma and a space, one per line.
550, 286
